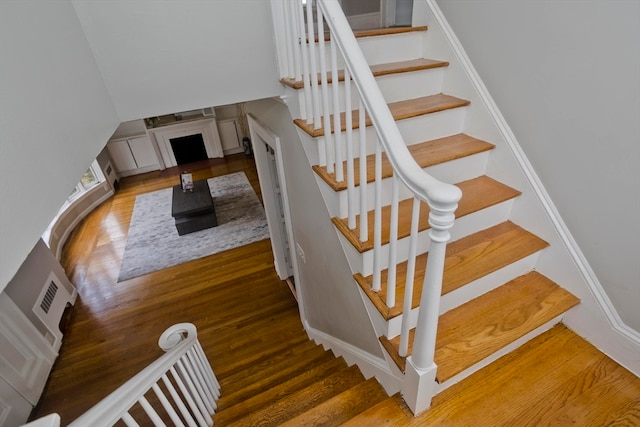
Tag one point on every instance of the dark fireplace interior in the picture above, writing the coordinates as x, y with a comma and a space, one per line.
189, 149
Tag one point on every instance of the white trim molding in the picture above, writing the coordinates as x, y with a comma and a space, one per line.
370, 365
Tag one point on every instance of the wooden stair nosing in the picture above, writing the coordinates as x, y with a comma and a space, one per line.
294, 404
471, 332
342, 407
269, 397
427, 153
400, 110
477, 194
377, 70
496, 247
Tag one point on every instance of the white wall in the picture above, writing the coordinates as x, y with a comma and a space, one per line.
55, 116
332, 303
162, 57
566, 76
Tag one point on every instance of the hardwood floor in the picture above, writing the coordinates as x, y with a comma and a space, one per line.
249, 327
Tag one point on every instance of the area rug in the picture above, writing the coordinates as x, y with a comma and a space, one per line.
153, 242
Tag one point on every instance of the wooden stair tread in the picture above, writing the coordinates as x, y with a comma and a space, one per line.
473, 331
400, 110
293, 404
552, 372
269, 373
466, 260
342, 407
297, 382
477, 194
427, 153
390, 412
378, 70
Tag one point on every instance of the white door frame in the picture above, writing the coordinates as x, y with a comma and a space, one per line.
260, 135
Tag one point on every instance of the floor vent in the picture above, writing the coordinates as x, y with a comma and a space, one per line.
45, 304
50, 305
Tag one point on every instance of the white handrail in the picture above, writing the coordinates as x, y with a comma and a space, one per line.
195, 379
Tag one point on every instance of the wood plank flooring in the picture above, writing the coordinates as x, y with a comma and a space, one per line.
249, 326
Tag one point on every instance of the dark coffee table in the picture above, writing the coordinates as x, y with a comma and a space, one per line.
193, 210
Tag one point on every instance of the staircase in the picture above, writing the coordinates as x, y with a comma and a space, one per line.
494, 299
302, 386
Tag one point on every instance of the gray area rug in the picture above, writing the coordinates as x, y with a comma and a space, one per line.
153, 242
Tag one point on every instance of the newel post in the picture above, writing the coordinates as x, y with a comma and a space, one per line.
420, 373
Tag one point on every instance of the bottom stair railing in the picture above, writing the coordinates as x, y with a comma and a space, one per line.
185, 389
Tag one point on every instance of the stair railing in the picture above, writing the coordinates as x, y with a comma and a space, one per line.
185, 389
306, 26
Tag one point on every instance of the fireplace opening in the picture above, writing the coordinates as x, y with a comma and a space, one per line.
189, 149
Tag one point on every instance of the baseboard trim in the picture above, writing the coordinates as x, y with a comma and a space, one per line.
370, 365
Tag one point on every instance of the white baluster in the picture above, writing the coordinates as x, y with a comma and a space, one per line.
129, 421
304, 41
408, 287
153, 415
377, 219
441, 220
337, 122
289, 37
362, 161
326, 109
178, 401
351, 188
314, 68
167, 405
393, 243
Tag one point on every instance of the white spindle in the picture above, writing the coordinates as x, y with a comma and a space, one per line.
306, 75
179, 402
289, 37
351, 188
193, 389
151, 413
129, 421
295, 38
193, 407
167, 406
377, 219
393, 242
362, 162
337, 122
408, 287
314, 68
326, 109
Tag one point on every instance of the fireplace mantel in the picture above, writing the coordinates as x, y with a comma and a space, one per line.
207, 127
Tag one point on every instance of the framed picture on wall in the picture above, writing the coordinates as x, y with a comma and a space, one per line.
186, 180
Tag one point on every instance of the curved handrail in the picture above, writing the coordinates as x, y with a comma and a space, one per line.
177, 341
439, 195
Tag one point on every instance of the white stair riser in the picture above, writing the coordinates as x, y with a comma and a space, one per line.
394, 87
414, 130
380, 49
454, 171
392, 48
464, 226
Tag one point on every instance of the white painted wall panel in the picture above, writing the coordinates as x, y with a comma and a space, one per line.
162, 57
566, 76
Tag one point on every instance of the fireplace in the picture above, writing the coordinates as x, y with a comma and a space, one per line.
189, 149
171, 139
